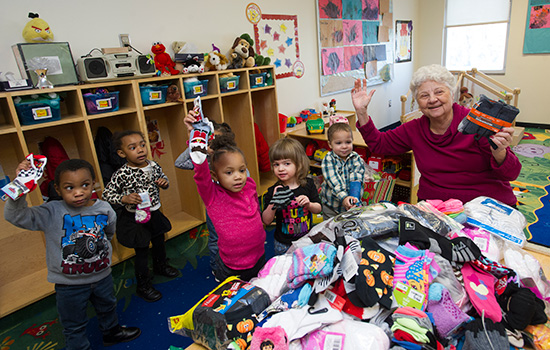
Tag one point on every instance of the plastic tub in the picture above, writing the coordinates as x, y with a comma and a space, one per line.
258, 80
41, 110
228, 84
151, 95
195, 88
101, 103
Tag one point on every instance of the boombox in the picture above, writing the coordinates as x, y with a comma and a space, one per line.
115, 66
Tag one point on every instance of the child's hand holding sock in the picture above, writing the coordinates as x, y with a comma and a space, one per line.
202, 129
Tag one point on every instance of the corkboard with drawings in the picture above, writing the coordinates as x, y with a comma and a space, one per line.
355, 41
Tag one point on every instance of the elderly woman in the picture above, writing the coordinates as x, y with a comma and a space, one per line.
452, 165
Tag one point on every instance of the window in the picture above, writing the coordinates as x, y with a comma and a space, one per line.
476, 34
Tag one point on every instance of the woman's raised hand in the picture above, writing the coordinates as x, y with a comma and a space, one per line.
361, 99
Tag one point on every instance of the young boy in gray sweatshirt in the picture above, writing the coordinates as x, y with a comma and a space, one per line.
78, 230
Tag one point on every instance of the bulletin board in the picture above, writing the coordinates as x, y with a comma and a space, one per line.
356, 40
276, 37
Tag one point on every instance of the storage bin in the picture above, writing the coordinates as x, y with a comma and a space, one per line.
101, 102
41, 110
195, 88
228, 84
151, 95
258, 80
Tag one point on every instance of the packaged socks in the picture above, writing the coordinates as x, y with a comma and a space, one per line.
487, 117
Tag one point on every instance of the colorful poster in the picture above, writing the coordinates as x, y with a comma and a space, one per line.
276, 37
353, 32
537, 28
330, 9
332, 60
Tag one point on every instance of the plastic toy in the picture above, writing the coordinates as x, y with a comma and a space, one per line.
305, 114
315, 126
466, 99
37, 30
311, 147
291, 122
332, 106
320, 154
337, 119
163, 62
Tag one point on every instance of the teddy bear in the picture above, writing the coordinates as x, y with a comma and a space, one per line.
163, 62
177, 47
241, 53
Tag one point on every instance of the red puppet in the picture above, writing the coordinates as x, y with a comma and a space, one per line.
163, 61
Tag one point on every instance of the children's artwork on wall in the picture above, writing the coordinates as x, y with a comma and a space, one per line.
370, 10
330, 8
276, 37
403, 41
350, 37
353, 32
353, 58
333, 60
331, 33
537, 28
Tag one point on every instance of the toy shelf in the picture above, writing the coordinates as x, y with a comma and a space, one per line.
406, 189
22, 253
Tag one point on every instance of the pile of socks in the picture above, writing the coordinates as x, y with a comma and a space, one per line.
311, 262
413, 329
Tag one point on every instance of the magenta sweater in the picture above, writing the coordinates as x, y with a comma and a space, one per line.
452, 165
236, 217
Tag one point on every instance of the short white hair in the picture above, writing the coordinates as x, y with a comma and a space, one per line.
432, 72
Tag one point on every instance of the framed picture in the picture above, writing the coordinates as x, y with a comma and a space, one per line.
403, 41
56, 55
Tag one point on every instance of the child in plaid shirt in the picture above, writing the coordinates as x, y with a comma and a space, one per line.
341, 166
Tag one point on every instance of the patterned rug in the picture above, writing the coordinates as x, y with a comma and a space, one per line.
37, 326
533, 184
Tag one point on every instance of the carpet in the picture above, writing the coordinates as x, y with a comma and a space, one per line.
37, 326
533, 184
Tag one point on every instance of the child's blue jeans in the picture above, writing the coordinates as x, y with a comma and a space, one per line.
72, 303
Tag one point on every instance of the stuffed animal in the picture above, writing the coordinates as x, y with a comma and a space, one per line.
173, 94
192, 65
466, 99
163, 62
242, 53
37, 30
216, 61
260, 60
178, 46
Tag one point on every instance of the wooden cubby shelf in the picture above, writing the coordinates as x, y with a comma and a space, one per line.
411, 187
22, 256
